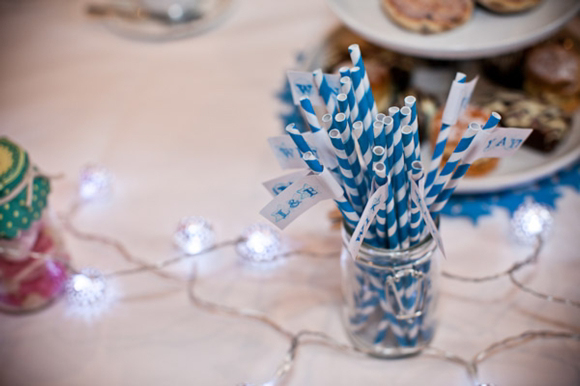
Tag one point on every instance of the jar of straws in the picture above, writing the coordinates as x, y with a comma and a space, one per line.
390, 297
370, 164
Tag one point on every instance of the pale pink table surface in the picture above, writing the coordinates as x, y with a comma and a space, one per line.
183, 126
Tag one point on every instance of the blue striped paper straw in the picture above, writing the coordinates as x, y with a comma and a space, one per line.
344, 71
389, 121
388, 317
381, 219
462, 168
348, 180
394, 114
389, 320
426, 320
309, 114
381, 179
326, 92
416, 222
364, 112
359, 134
455, 159
380, 226
377, 278
448, 190
312, 162
405, 116
346, 88
380, 137
492, 122
411, 297
357, 60
411, 102
327, 125
411, 164
441, 141
343, 106
405, 112
390, 223
365, 147
350, 148
379, 155
380, 142
399, 180
365, 298
425, 298
348, 213
358, 130
298, 139
408, 147
327, 122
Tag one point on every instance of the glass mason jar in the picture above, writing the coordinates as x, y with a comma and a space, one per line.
390, 297
33, 268
33, 264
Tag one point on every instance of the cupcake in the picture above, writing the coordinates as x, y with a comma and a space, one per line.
553, 75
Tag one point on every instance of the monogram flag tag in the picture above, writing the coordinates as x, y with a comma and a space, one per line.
296, 199
278, 185
302, 84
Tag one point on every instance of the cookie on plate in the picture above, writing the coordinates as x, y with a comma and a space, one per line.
508, 6
428, 16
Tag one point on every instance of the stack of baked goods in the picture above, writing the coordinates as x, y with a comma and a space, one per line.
538, 87
434, 16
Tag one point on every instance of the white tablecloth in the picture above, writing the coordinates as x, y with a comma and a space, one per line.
183, 127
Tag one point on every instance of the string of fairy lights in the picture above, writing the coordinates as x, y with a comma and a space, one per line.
90, 292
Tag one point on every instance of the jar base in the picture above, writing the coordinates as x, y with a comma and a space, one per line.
382, 352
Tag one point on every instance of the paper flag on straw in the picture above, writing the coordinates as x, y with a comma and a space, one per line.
296, 199
302, 84
468, 88
289, 157
503, 142
324, 150
416, 196
286, 152
366, 219
454, 100
277, 185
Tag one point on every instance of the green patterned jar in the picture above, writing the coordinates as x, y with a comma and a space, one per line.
32, 258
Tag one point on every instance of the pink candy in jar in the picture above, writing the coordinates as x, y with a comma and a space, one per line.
33, 264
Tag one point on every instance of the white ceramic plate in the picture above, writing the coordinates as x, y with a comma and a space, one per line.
486, 34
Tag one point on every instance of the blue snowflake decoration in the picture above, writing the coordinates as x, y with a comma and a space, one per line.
545, 191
